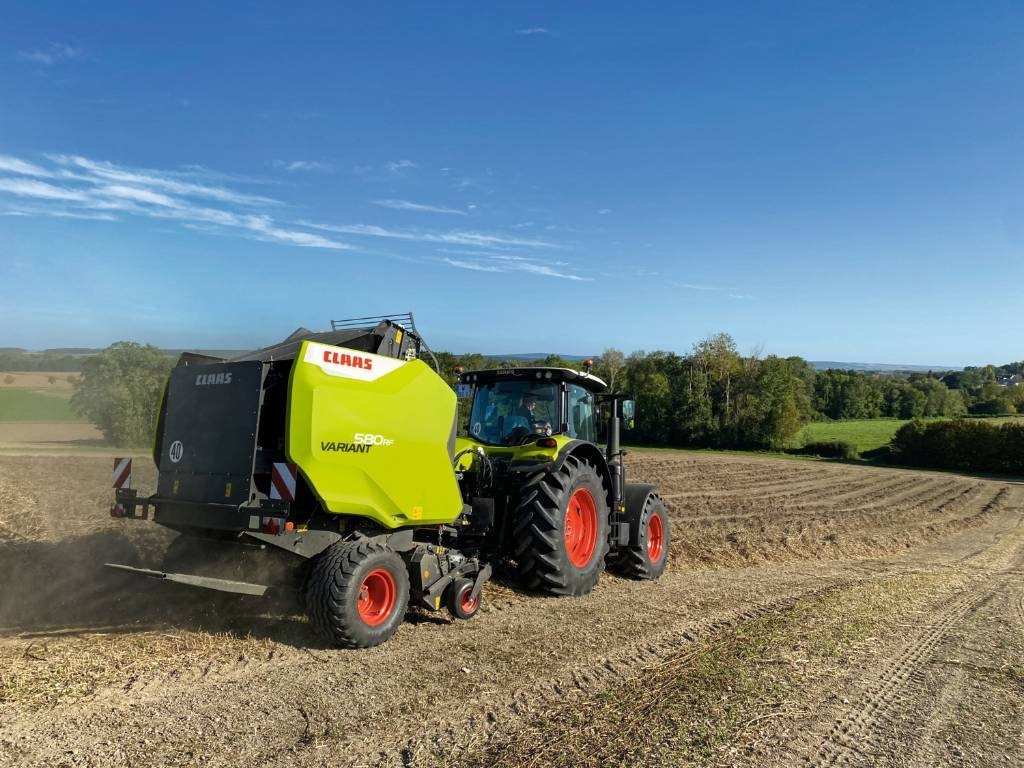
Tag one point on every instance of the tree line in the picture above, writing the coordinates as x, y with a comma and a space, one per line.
711, 396
715, 397
53, 361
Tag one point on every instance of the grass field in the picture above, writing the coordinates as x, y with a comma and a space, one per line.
26, 405
866, 434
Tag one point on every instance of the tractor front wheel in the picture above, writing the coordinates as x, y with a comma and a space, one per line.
646, 559
357, 594
561, 529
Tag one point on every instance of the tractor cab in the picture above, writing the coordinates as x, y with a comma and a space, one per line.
518, 406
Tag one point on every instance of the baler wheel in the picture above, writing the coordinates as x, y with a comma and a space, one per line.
561, 529
357, 593
461, 604
646, 559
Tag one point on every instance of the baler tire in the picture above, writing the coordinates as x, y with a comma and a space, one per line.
459, 604
339, 602
550, 556
646, 560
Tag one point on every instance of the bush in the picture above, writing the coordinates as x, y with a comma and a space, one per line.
831, 449
961, 444
51, 380
8, 379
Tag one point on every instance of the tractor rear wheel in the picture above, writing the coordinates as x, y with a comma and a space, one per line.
647, 558
357, 593
561, 531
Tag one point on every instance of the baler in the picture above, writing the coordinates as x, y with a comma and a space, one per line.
338, 453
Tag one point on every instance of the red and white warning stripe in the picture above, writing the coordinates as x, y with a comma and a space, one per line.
282, 481
122, 474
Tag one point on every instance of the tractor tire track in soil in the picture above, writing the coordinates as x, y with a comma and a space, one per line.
855, 735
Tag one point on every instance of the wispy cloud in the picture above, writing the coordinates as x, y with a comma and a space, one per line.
309, 166
58, 214
397, 166
137, 194
78, 187
54, 53
732, 293
22, 168
406, 205
527, 31
478, 239
40, 190
475, 266
102, 172
531, 267
197, 199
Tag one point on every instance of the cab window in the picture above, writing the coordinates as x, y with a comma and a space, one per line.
581, 414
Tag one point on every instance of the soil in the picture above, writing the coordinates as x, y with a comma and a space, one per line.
812, 614
28, 437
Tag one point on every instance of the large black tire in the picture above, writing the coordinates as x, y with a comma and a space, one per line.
357, 594
543, 552
647, 559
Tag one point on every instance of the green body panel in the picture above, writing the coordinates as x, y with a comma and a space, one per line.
371, 436
529, 452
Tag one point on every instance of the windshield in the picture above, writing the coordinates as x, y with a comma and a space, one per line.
510, 412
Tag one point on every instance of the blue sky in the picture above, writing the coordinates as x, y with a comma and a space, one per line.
836, 180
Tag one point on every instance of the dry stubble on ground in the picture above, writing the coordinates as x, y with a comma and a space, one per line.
812, 614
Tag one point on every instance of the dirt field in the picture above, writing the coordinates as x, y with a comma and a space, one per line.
27, 437
812, 614
40, 381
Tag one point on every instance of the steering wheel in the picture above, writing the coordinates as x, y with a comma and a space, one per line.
518, 435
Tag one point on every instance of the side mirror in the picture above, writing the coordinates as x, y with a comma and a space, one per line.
628, 413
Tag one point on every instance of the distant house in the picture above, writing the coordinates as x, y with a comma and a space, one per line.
1010, 381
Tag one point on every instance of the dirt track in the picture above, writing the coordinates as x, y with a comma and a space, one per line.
813, 614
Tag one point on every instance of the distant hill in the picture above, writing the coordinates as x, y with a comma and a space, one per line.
527, 356
823, 365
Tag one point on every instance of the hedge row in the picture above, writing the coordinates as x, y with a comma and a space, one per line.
970, 445
831, 449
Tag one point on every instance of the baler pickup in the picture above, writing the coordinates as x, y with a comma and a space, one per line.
206, 582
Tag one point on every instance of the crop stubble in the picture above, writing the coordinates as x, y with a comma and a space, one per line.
92, 658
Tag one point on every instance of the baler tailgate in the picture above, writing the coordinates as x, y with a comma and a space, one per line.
209, 432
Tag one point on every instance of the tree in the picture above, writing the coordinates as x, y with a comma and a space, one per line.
609, 364
120, 389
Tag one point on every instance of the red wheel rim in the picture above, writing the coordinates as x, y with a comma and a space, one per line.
581, 527
655, 538
466, 602
376, 597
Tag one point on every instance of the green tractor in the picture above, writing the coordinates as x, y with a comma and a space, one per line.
338, 455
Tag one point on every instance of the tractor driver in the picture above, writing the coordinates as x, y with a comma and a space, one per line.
524, 417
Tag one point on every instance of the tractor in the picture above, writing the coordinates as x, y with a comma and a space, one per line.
337, 456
